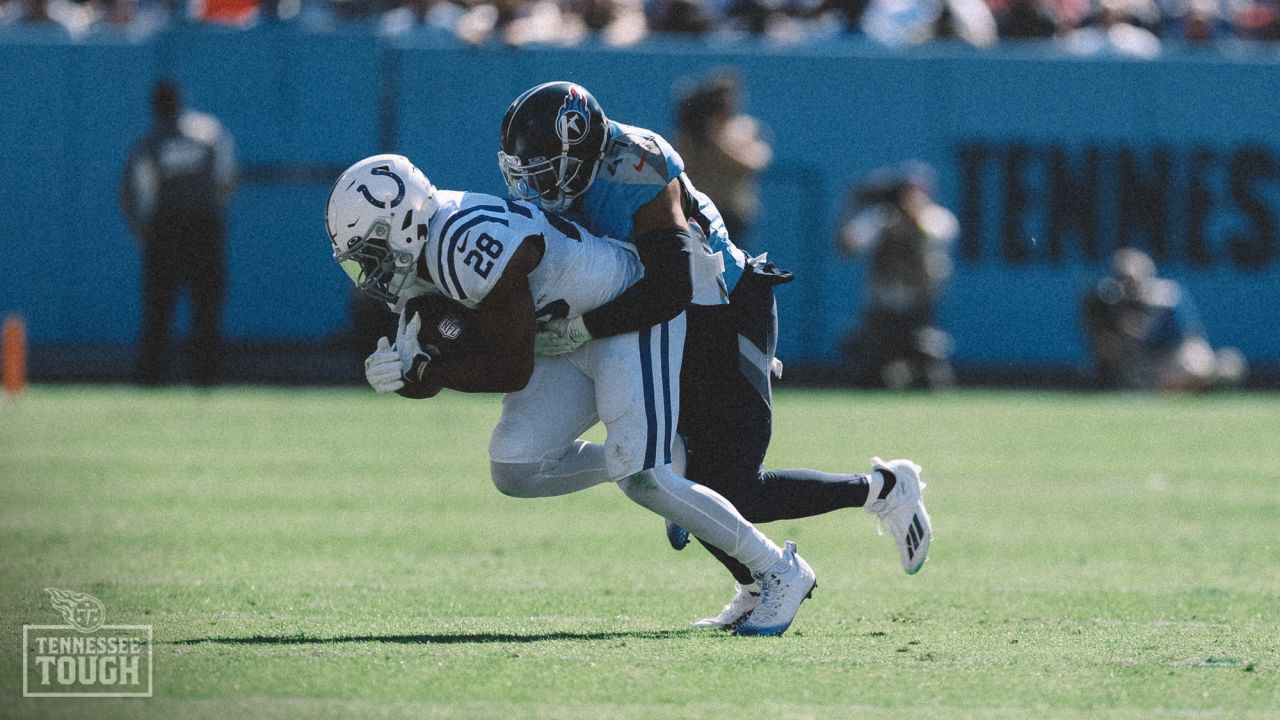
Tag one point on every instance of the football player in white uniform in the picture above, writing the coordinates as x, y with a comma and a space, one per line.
399, 238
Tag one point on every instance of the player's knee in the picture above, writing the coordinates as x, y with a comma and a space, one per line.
515, 479
645, 489
639, 483
647, 486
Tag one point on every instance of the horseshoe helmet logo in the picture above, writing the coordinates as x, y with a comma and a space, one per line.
391, 202
574, 119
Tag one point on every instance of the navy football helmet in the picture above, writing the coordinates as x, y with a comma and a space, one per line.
553, 137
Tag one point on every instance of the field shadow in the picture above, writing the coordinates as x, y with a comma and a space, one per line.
437, 638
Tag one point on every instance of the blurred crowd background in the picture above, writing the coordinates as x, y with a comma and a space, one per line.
1086, 197
1137, 28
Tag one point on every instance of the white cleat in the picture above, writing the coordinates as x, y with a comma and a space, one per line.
744, 601
903, 513
780, 596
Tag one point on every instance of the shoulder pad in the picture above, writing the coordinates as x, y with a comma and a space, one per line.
636, 158
472, 247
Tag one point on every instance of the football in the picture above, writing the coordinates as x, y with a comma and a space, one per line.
448, 328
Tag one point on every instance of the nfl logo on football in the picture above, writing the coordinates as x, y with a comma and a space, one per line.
85, 657
449, 329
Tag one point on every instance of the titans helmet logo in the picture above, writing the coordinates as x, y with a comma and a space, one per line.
574, 118
82, 612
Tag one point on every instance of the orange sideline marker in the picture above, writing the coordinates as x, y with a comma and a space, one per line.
13, 355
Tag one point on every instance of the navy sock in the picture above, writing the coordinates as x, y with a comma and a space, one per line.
737, 569
800, 492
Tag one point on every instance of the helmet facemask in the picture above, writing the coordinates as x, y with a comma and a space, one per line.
377, 270
554, 183
377, 217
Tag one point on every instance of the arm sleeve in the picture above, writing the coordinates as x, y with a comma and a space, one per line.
663, 293
418, 390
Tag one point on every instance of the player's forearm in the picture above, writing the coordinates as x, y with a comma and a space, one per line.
643, 305
663, 293
489, 372
419, 390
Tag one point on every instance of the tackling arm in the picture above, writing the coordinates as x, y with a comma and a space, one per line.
662, 238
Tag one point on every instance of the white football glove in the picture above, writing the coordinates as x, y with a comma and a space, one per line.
413, 359
559, 336
382, 368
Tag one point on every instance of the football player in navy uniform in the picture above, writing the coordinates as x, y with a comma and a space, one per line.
558, 149
401, 240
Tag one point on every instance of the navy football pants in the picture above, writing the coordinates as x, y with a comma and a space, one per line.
726, 416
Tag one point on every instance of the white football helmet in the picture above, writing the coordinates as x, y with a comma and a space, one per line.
373, 216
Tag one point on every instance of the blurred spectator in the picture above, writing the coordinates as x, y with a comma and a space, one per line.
1256, 20
119, 13
1031, 19
60, 17
1145, 332
175, 186
753, 16
250, 13
786, 21
723, 150
133, 17
910, 22
681, 17
240, 13
893, 217
439, 17
1086, 27
1025, 20
846, 14
510, 22
1197, 22
542, 22
1120, 28
618, 22
478, 24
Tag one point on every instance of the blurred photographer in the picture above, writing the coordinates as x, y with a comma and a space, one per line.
1145, 332
724, 149
892, 217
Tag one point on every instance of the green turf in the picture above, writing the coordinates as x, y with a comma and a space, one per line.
319, 553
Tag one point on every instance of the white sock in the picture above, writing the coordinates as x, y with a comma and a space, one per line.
706, 515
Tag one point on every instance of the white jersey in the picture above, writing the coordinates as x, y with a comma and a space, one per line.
473, 236
631, 382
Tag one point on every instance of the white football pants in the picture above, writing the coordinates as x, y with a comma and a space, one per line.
631, 383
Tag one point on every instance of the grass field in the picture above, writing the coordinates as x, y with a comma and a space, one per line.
330, 553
